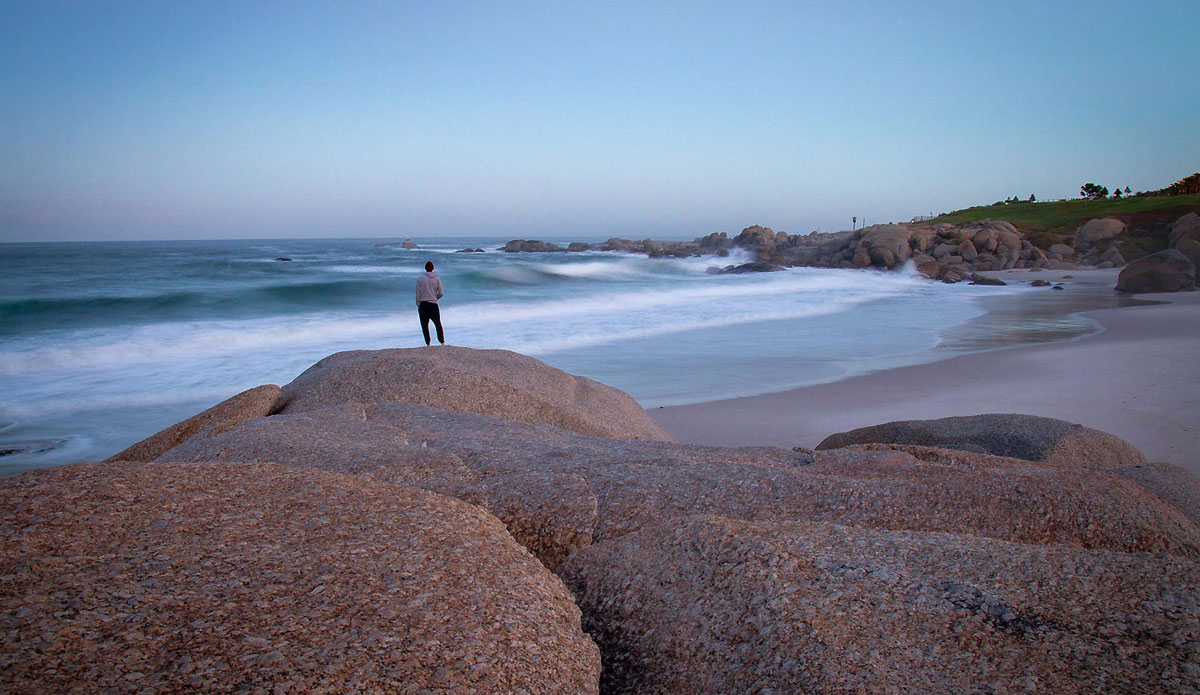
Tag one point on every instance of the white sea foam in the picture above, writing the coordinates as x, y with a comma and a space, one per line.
719, 300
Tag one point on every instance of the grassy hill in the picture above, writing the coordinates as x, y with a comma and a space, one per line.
1050, 223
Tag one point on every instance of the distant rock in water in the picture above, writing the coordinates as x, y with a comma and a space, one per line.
753, 267
469, 251
977, 279
1165, 271
531, 246
283, 258
406, 244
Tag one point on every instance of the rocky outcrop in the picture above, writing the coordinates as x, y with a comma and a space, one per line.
814, 608
1027, 437
865, 568
531, 246
1165, 271
257, 402
409, 244
490, 382
638, 484
259, 578
1093, 232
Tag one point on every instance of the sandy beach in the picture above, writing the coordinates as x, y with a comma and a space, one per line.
1136, 379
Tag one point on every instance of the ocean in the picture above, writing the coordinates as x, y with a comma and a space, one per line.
105, 343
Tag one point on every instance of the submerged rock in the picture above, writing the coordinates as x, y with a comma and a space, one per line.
753, 267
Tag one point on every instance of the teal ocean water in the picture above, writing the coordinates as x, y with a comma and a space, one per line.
102, 344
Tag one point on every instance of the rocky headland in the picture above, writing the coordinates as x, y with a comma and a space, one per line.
457, 520
947, 252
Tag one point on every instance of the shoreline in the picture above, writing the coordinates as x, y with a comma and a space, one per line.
1134, 379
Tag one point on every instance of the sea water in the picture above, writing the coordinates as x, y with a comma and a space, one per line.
103, 344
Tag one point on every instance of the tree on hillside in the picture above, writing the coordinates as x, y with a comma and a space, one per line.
1127, 191
1092, 191
1031, 198
1117, 193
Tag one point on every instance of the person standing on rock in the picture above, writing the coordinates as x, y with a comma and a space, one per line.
429, 291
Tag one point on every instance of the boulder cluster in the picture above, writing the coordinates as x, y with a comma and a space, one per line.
1172, 270
946, 252
455, 520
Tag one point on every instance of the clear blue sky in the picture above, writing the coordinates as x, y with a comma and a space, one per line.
156, 120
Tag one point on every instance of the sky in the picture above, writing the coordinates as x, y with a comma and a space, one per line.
575, 120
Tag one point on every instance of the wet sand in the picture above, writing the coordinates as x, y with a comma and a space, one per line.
1138, 378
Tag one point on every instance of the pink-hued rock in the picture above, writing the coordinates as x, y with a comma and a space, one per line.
489, 382
1174, 485
638, 483
716, 605
338, 439
157, 578
257, 402
1029, 437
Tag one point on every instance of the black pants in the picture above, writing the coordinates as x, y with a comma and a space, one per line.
429, 311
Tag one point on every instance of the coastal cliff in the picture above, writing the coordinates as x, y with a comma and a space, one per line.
504, 526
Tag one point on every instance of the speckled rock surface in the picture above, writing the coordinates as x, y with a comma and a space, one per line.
257, 402
490, 382
338, 439
1065, 565
638, 483
155, 578
1017, 436
1173, 484
725, 606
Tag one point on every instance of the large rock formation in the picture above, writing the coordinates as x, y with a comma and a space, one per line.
490, 382
1165, 271
156, 578
724, 606
1028, 437
559, 491
871, 568
257, 402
